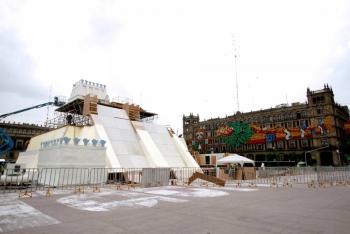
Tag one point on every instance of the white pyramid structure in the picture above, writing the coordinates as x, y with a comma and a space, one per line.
97, 133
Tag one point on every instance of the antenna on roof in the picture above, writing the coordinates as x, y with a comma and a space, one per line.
236, 73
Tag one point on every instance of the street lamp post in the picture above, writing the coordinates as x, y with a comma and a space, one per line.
313, 151
338, 154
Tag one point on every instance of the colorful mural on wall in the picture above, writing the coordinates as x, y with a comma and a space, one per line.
200, 140
259, 135
239, 133
235, 133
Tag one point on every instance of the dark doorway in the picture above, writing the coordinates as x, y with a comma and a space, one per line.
326, 158
207, 160
260, 157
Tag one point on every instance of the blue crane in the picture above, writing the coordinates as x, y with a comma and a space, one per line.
6, 143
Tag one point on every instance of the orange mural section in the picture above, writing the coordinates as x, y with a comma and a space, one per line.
238, 133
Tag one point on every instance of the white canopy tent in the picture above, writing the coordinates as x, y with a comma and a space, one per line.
234, 159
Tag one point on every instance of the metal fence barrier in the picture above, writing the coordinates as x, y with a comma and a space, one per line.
13, 180
286, 176
79, 179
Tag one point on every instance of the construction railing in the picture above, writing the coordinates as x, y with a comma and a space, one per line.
79, 179
286, 176
64, 178
16, 179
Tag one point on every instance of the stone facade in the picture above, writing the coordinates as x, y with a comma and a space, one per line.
20, 134
280, 136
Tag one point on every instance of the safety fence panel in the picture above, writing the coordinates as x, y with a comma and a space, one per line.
15, 179
31, 179
62, 178
101, 177
181, 175
290, 175
152, 177
333, 175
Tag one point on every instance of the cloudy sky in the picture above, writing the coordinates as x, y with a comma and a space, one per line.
173, 57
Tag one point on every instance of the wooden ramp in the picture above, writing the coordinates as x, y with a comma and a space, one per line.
213, 179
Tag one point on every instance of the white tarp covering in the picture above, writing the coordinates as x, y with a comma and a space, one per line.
234, 159
185, 154
150, 149
127, 144
164, 142
122, 141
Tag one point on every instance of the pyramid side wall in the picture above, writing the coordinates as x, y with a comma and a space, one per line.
167, 145
88, 132
31, 156
149, 147
186, 156
123, 148
72, 156
29, 159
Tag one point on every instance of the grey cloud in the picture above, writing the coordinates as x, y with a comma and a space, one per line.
340, 78
103, 30
16, 67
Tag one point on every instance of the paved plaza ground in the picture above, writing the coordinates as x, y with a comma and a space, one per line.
180, 210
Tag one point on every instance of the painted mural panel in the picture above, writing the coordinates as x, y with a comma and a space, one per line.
239, 133
236, 133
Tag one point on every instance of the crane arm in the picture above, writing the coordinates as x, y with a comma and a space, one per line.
56, 102
26, 109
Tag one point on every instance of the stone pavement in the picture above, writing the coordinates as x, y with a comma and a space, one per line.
180, 210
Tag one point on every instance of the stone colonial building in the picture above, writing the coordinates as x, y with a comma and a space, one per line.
20, 134
280, 136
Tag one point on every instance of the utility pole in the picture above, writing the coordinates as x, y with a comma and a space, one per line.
236, 73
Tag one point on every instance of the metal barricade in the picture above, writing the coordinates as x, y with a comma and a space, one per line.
79, 179
13, 180
63, 178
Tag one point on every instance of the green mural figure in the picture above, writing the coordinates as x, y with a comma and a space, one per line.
236, 133
200, 141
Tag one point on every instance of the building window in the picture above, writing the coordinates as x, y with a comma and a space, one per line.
207, 160
19, 144
269, 145
292, 144
324, 142
280, 145
320, 121
320, 100
303, 123
281, 117
305, 143
303, 114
